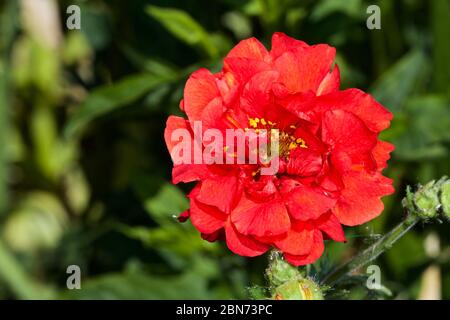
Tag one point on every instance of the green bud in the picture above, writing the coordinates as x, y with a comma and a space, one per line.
445, 199
429, 201
279, 271
286, 282
299, 289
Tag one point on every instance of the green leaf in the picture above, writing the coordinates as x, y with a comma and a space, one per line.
424, 136
324, 8
184, 27
138, 284
24, 286
400, 81
440, 22
109, 98
163, 206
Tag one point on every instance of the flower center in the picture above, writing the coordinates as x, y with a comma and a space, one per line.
286, 139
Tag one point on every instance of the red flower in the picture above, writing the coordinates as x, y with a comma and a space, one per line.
329, 154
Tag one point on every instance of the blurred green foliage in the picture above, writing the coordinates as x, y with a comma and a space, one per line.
83, 167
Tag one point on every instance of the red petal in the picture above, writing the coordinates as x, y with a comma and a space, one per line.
250, 48
305, 203
241, 244
200, 89
183, 216
243, 68
304, 69
345, 132
282, 43
256, 95
375, 116
298, 240
207, 219
303, 162
174, 123
360, 199
189, 172
330, 83
312, 256
381, 153
217, 235
329, 224
260, 219
220, 192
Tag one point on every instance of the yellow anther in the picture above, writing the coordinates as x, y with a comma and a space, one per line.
254, 173
253, 123
292, 127
263, 121
302, 143
292, 145
271, 123
256, 120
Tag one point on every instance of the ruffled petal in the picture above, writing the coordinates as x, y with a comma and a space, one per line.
360, 201
250, 49
330, 225
381, 153
220, 192
256, 95
243, 69
315, 253
282, 43
298, 240
260, 219
330, 83
241, 244
200, 90
345, 132
189, 172
206, 218
375, 116
174, 123
305, 69
305, 203
303, 162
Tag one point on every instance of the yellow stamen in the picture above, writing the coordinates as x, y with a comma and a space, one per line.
253, 123
292, 145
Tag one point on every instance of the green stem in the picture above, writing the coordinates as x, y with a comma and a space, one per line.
372, 252
428, 203
12, 273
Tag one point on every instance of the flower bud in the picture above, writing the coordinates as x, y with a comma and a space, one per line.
279, 271
430, 201
445, 199
288, 283
299, 289
426, 201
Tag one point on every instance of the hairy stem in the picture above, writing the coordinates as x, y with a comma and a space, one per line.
372, 252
